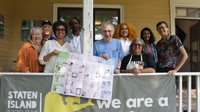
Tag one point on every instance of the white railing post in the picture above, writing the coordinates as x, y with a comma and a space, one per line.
180, 96
197, 93
189, 94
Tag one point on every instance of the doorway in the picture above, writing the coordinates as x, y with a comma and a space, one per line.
188, 31
189, 34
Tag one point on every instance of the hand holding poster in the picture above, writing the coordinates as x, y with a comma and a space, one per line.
82, 75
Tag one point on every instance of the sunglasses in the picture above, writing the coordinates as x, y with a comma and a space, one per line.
139, 45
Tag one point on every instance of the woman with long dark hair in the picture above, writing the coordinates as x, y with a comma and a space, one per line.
150, 47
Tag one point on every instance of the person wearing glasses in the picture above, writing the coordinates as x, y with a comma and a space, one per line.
171, 52
136, 61
51, 48
109, 48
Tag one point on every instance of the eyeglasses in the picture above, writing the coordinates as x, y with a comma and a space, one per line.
60, 29
161, 27
109, 31
139, 45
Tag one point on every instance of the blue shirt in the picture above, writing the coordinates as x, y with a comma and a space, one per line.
113, 49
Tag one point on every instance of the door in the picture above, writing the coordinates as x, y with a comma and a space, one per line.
195, 47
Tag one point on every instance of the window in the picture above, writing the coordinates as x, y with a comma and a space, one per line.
101, 15
104, 15
26, 27
188, 12
1, 26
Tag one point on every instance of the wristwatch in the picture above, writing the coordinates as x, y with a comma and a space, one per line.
118, 68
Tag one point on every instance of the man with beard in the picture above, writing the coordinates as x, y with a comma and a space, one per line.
75, 37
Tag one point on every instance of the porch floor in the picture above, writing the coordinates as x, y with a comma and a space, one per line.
193, 106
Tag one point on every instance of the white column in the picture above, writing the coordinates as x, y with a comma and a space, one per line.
88, 26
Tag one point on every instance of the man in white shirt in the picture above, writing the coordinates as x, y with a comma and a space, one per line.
75, 37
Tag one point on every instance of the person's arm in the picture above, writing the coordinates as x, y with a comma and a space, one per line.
43, 53
124, 71
117, 70
137, 71
120, 58
147, 70
48, 56
182, 58
22, 61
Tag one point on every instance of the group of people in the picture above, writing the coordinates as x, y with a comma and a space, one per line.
120, 46
131, 54
39, 52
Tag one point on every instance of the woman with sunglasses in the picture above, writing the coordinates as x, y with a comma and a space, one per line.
137, 62
52, 48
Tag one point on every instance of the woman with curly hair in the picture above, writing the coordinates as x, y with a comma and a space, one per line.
126, 32
52, 48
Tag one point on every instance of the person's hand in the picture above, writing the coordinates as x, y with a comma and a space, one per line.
117, 71
27, 69
48, 56
135, 71
141, 64
172, 72
55, 52
105, 56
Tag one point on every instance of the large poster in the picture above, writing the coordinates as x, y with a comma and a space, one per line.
83, 76
31, 93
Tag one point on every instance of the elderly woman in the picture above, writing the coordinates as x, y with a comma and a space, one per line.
27, 59
137, 62
52, 48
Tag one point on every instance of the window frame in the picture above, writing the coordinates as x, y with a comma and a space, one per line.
56, 7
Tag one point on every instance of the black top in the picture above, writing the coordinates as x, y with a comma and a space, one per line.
147, 59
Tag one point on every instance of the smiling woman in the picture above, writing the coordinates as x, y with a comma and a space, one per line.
137, 62
52, 48
27, 59
126, 33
